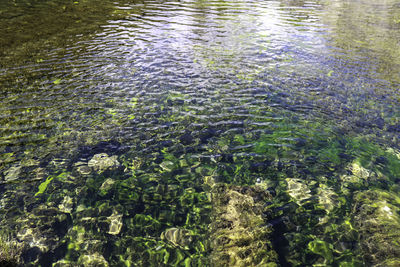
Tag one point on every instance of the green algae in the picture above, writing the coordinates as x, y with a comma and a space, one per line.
43, 186
323, 249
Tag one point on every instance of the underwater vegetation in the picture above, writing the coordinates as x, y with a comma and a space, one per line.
377, 216
309, 202
10, 251
238, 234
277, 190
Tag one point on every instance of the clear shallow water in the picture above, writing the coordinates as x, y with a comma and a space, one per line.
299, 98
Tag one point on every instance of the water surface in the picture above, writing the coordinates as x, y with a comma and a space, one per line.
299, 98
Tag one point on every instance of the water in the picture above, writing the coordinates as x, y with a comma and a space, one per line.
202, 133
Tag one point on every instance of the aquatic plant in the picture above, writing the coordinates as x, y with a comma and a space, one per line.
377, 216
10, 250
238, 234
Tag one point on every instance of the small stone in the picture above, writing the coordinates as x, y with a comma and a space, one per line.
115, 223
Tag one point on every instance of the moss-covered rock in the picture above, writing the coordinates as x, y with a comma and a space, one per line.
239, 235
377, 216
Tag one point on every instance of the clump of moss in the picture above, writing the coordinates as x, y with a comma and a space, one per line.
378, 220
10, 251
239, 236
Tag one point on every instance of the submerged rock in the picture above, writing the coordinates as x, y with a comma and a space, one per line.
30, 162
298, 190
41, 231
328, 199
40, 173
93, 260
88, 237
63, 263
239, 235
115, 223
186, 138
377, 216
358, 172
102, 162
106, 186
82, 168
178, 237
66, 204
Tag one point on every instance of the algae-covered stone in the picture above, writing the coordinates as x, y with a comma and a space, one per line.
102, 162
239, 235
357, 174
64, 263
41, 230
30, 162
377, 216
359, 171
40, 173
